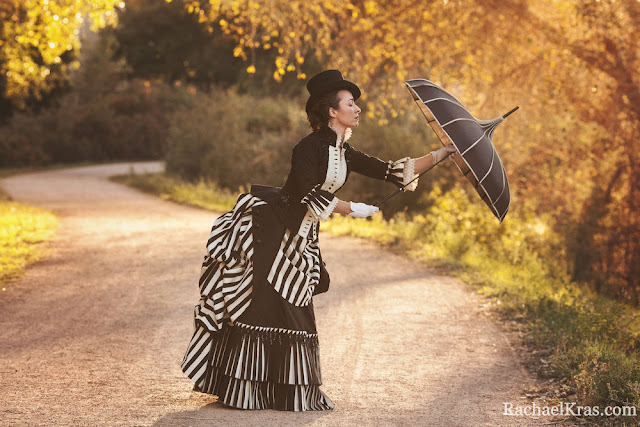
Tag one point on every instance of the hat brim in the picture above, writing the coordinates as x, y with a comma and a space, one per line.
338, 85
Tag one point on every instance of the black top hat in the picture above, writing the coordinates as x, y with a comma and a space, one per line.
328, 81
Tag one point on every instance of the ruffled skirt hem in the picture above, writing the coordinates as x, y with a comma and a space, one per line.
254, 367
245, 394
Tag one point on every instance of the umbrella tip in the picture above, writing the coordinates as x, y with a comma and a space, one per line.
512, 110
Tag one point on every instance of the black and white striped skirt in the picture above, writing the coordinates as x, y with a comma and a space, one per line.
255, 343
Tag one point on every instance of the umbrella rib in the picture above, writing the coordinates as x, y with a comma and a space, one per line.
503, 187
490, 167
508, 205
431, 84
461, 156
444, 99
493, 204
475, 143
481, 185
458, 120
505, 180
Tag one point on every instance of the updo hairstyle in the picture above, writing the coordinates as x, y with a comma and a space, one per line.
318, 111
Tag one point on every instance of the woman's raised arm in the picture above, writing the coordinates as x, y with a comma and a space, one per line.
427, 162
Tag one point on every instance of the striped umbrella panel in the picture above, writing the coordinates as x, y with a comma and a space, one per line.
477, 157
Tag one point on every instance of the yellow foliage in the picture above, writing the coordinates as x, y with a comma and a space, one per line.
23, 229
371, 8
53, 28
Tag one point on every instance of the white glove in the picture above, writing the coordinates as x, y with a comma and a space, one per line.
442, 153
362, 210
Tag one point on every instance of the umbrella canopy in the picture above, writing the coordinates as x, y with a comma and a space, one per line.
476, 157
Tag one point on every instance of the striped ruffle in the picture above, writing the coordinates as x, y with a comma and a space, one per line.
252, 367
401, 172
227, 271
295, 272
320, 202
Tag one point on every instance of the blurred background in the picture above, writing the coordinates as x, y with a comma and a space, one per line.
217, 89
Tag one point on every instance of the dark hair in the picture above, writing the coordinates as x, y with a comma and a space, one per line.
318, 112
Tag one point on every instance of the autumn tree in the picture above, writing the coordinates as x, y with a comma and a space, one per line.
588, 98
571, 66
38, 43
163, 41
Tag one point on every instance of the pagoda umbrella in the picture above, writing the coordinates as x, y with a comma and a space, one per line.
475, 155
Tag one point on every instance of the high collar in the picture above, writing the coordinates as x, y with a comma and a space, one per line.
333, 137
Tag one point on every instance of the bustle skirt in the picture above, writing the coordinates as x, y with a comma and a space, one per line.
255, 343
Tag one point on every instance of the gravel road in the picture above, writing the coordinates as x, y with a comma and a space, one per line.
94, 334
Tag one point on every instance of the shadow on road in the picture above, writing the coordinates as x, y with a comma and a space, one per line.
215, 414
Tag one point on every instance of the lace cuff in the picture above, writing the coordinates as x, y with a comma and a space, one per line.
321, 203
402, 172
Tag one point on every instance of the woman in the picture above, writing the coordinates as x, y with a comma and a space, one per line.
255, 343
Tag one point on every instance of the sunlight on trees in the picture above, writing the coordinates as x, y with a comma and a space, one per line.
572, 65
39, 39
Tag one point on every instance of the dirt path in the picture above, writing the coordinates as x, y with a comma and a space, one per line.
96, 332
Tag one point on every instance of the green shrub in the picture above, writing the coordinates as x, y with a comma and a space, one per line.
130, 124
205, 194
103, 117
238, 139
607, 375
234, 139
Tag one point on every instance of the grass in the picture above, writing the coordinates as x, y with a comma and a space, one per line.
24, 230
583, 341
203, 194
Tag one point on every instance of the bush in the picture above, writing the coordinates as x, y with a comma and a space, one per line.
234, 139
104, 117
237, 139
607, 376
205, 194
131, 124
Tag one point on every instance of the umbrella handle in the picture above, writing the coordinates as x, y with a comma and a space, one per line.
403, 187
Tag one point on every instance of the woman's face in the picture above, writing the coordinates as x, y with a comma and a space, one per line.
348, 113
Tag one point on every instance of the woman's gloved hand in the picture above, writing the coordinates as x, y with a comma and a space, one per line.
442, 153
362, 210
